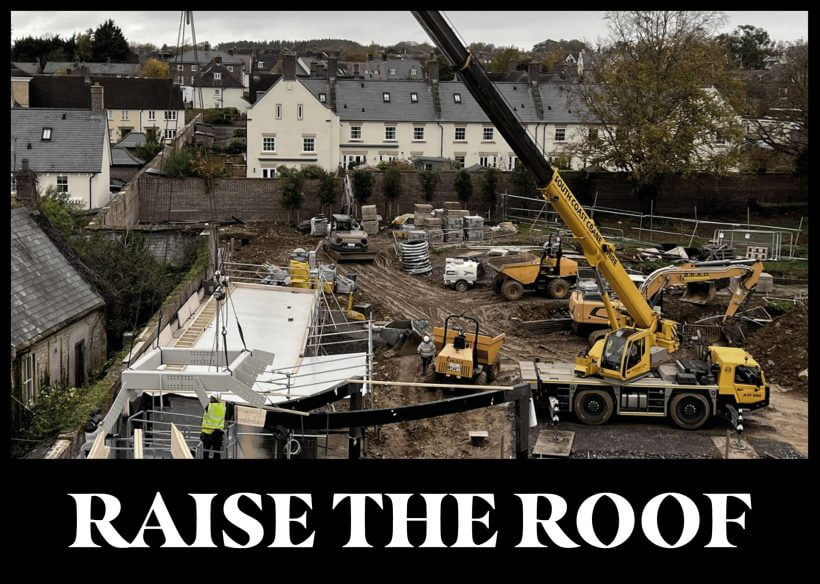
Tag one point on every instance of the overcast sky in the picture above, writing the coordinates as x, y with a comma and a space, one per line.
522, 29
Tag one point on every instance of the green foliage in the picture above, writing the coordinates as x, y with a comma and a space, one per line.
178, 163
151, 148
463, 184
292, 186
43, 49
522, 181
225, 115
312, 172
504, 57
237, 146
397, 164
748, 46
492, 176
240, 133
362, 183
327, 189
108, 42
391, 183
65, 216
429, 180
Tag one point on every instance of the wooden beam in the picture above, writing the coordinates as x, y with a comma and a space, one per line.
138, 444
179, 448
99, 450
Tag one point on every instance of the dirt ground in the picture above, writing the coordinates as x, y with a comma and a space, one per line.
779, 431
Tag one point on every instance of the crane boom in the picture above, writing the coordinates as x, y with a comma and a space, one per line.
599, 253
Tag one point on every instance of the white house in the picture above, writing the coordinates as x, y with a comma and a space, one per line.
215, 87
67, 149
332, 122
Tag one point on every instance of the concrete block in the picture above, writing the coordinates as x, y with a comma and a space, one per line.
457, 212
456, 236
370, 227
369, 212
435, 235
416, 235
451, 204
765, 284
474, 234
479, 437
422, 208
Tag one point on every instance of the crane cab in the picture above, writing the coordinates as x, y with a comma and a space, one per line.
740, 378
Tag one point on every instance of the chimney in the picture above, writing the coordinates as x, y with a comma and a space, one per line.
314, 70
355, 70
289, 66
97, 101
332, 67
432, 70
217, 60
230, 52
26, 186
533, 69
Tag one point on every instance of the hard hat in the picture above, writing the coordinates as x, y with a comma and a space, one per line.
426, 339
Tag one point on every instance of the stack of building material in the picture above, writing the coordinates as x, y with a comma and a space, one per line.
453, 229
370, 219
417, 234
421, 214
451, 205
435, 235
474, 228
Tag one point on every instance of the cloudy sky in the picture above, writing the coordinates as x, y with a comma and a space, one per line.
522, 29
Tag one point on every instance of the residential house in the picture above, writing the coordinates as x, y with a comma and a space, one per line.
30, 68
68, 149
332, 122
93, 69
131, 104
215, 87
186, 66
58, 334
20, 80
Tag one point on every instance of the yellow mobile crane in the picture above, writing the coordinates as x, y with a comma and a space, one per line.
627, 372
588, 310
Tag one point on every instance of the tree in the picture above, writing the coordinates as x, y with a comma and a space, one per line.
362, 183
490, 186
327, 190
292, 185
504, 57
42, 49
748, 46
109, 44
391, 187
522, 181
658, 109
156, 69
82, 41
151, 148
463, 184
429, 180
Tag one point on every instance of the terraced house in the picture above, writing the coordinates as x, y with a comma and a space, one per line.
331, 122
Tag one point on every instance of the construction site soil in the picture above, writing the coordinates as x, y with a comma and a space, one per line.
781, 429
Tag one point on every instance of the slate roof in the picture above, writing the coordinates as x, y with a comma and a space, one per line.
71, 91
122, 157
131, 140
18, 72
30, 68
53, 67
353, 96
47, 293
76, 145
226, 80
204, 57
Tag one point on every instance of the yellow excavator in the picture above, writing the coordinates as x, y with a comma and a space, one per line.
589, 313
631, 370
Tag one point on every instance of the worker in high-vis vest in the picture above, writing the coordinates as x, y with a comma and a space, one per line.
213, 428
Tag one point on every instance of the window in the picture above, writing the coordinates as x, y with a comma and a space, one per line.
299, 112
461, 133
180, 67
278, 111
217, 76
483, 161
269, 144
355, 132
386, 97
229, 68
460, 160
413, 72
323, 97
28, 379
268, 173
457, 97
418, 133
181, 79
487, 135
414, 97
216, 92
171, 115
152, 115
560, 134
193, 68
260, 64
46, 134
392, 71
125, 114
513, 162
390, 132
170, 134
309, 144
62, 184
109, 114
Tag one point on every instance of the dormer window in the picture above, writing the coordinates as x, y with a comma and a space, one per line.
217, 76
392, 71
260, 65
46, 134
193, 68
323, 97
457, 97
414, 97
386, 97
413, 72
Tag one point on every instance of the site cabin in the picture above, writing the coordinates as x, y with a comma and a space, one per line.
690, 392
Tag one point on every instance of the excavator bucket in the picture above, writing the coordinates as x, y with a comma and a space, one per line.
403, 336
699, 292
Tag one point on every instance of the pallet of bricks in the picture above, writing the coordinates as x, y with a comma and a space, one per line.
424, 219
370, 219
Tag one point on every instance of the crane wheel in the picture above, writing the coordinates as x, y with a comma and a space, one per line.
512, 290
596, 336
593, 406
462, 286
689, 411
558, 289
482, 378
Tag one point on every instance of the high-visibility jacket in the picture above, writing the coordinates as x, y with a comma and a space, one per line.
214, 417
427, 349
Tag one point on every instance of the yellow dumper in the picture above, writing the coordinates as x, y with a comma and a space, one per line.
551, 273
460, 357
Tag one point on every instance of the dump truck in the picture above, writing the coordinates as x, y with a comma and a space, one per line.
552, 273
464, 356
621, 373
